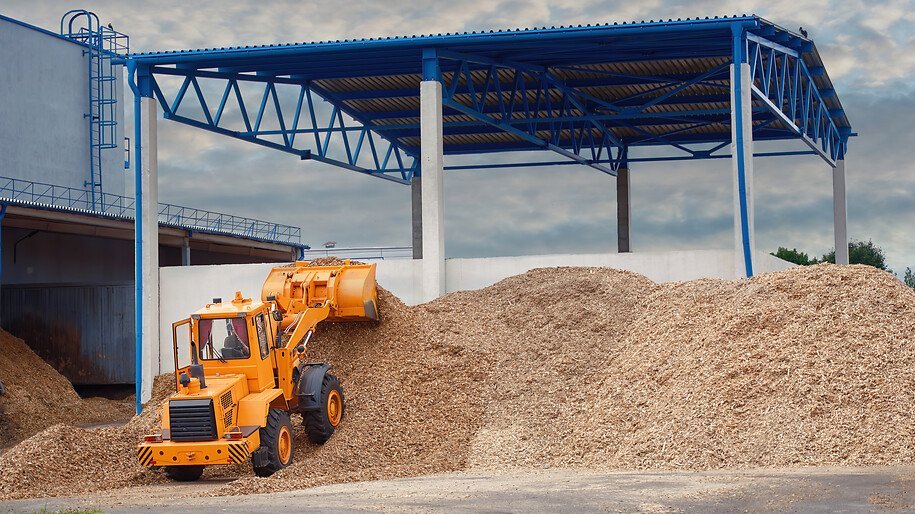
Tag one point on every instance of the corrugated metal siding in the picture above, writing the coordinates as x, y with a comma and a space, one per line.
85, 331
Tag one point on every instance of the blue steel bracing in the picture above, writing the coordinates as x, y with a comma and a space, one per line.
785, 85
509, 107
588, 91
342, 138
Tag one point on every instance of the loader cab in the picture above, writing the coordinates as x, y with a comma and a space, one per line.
229, 338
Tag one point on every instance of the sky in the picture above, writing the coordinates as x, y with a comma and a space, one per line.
866, 47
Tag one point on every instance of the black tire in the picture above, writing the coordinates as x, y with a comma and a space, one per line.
276, 443
320, 424
184, 473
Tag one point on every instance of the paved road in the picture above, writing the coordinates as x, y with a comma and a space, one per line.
871, 489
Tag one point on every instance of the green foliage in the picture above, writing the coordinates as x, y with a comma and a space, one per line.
860, 252
909, 278
794, 256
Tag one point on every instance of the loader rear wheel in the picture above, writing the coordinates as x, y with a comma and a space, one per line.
276, 443
184, 473
321, 423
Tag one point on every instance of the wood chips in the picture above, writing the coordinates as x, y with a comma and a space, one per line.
37, 396
581, 367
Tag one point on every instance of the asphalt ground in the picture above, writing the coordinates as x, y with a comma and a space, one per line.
840, 489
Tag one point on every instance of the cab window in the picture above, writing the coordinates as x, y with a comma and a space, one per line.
223, 339
260, 326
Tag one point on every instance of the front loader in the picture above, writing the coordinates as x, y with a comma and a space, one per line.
248, 371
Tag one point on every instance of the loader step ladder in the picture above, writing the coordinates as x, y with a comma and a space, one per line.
102, 45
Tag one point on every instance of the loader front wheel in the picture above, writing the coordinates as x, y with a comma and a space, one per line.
184, 473
321, 423
276, 444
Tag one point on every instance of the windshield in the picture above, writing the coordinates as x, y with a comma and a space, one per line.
223, 339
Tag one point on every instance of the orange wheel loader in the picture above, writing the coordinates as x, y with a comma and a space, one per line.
248, 371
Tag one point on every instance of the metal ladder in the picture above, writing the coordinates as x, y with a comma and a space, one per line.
102, 45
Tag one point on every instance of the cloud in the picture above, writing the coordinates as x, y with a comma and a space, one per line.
866, 47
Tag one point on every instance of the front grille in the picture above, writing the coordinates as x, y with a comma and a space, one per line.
226, 400
192, 420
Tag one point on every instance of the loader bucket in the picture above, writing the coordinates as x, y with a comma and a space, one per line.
357, 294
350, 289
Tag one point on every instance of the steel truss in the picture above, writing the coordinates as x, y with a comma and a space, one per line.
782, 82
532, 105
529, 102
330, 139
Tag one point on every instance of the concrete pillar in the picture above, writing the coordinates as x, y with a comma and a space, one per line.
186, 252
432, 186
148, 184
839, 217
623, 223
742, 159
416, 200
2, 215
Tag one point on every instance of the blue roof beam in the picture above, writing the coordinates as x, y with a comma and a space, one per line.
346, 144
605, 80
786, 87
532, 92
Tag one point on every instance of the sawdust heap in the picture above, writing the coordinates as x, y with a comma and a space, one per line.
409, 410
588, 367
545, 337
66, 460
38, 396
331, 261
809, 366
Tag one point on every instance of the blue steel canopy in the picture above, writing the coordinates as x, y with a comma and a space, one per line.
588, 93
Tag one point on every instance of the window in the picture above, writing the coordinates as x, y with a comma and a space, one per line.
261, 328
223, 339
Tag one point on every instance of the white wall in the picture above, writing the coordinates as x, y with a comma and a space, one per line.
44, 136
182, 290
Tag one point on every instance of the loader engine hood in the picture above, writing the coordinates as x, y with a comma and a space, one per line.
203, 415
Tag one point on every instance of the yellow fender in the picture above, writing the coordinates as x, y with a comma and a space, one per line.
253, 409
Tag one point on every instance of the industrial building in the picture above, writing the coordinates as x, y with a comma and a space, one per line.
67, 208
391, 109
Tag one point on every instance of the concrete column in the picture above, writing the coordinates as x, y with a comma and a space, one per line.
416, 200
623, 212
432, 186
839, 217
149, 250
742, 159
186, 252
2, 215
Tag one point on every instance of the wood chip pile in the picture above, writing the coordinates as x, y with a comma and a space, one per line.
37, 396
810, 366
411, 404
597, 368
64, 460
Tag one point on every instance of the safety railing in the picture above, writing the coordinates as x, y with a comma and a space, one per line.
24, 192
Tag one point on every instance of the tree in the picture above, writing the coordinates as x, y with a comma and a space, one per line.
860, 252
794, 256
909, 278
